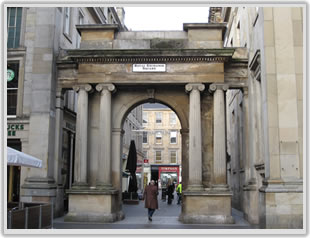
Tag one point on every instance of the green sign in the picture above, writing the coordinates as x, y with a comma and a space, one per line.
12, 128
10, 74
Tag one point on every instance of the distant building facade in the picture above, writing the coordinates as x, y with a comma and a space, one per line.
162, 144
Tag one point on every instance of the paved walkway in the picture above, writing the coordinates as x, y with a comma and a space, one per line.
166, 217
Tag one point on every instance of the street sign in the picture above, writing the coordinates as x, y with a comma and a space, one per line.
149, 68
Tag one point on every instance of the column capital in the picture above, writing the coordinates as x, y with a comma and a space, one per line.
105, 86
213, 87
86, 87
194, 86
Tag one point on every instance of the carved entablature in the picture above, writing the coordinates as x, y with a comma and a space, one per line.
163, 59
179, 66
150, 56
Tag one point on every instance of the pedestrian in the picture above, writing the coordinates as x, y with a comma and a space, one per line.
170, 191
150, 196
179, 191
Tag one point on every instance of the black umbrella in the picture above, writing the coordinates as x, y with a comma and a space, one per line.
131, 167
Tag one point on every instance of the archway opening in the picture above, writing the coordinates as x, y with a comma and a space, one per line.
155, 129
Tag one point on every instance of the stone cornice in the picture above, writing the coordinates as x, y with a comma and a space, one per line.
191, 26
97, 27
148, 56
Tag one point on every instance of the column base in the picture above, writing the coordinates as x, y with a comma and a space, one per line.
206, 207
93, 206
220, 187
195, 187
281, 204
79, 185
104, 187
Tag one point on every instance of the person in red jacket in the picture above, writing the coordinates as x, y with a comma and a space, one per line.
150, 196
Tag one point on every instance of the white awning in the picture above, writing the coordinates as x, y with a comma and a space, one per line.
17, 158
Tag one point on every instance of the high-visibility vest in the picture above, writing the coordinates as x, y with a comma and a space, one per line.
179, 188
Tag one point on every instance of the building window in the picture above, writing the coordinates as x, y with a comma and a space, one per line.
157, 156
14, 20
67, 21
144, 137
145, 118
80, 22
12, 87
173, 137
173, 157
173, 118
159, 116
158, 137
145, 154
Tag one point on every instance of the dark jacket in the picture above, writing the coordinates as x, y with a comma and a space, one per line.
150, 196
170, 190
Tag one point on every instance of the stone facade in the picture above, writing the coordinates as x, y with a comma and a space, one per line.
266, 172
41, 105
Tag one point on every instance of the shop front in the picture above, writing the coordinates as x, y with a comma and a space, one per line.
163, 173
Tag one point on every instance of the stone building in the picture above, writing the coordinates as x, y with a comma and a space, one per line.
161, 144
239, 107
36, 37
265, 122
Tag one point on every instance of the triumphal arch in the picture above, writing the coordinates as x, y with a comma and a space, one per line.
112, 73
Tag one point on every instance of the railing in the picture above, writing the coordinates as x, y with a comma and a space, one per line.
30, 216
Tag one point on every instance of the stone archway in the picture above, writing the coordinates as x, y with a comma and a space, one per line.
124, 102
193, 84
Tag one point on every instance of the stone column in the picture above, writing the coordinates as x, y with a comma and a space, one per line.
195, 150
185, 159
104, 179
246, 141
219, 147
71, 159
117, 145
259, 135
58, 135
80, 165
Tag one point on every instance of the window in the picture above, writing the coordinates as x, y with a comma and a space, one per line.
173, 118
145, 154
67, 21
80, 22
158, 137
173, 157
12, 87
14, 20
158, 117
157, 156
173, 137
145, 118
144, 137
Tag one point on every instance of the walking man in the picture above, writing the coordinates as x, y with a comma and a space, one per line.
150, 196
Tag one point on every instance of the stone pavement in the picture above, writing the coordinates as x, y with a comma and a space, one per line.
166, 217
